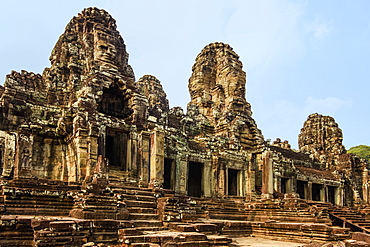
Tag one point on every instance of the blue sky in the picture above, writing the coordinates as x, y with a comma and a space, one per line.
301, 57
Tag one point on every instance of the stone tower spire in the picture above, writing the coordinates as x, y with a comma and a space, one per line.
217, 92
217, 84
322, 138
90, 47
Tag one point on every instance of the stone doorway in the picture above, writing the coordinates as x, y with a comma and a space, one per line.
331, 194
317, 192
233, 182
195, 179
116, 149
301, 189
169, 174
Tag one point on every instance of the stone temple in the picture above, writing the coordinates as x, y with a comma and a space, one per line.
92, 156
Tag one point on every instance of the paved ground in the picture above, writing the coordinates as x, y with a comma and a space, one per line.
261, 242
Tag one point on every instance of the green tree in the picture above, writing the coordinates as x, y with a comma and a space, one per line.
362, 151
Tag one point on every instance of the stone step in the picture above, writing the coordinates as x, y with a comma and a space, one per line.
236, 233
227, 216
219, 240
152, 229
129, 240
36, 211
140, 216
17, 242
31, 201
26, 205
144, 245
168, 237
142, 204
133, 188
138, 198
147, 223
143, 210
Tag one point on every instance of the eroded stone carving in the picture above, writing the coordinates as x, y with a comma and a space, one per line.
150, 86
217, 90
322, 138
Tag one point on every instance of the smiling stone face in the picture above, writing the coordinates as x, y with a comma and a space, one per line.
105, 52
217, 84
90, 43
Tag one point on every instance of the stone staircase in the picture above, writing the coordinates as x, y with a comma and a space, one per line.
350, 218
36, 197
115, 212
173, 239
289, 219
141, 204
16, 231
263, 211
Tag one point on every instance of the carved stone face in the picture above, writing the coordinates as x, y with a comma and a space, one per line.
105, 52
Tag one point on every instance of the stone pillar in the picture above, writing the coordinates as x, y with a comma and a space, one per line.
222, 181
128, 155
145, 160
365, 184
182, 175
82, 156
157, 158
64, 175
290, 185
47, 158
22, 166
250, 185
309, 190
322, 193
267, 175
247, 180
9, 154
339, 196
215, 169
207, 179
132, 152
93, 148
277, 182
80, 144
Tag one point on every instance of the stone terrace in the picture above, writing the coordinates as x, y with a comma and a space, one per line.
38, 213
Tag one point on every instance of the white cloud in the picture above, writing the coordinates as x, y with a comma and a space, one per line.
320, 28
327, 106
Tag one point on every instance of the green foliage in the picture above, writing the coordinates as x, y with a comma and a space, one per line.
362, 151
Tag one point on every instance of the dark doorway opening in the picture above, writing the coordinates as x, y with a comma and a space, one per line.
232, 182
113, 102
301, 189
258, 182
195, 182
284, 185
169, 174
348, 194
316, 192
331, 194
115, 149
